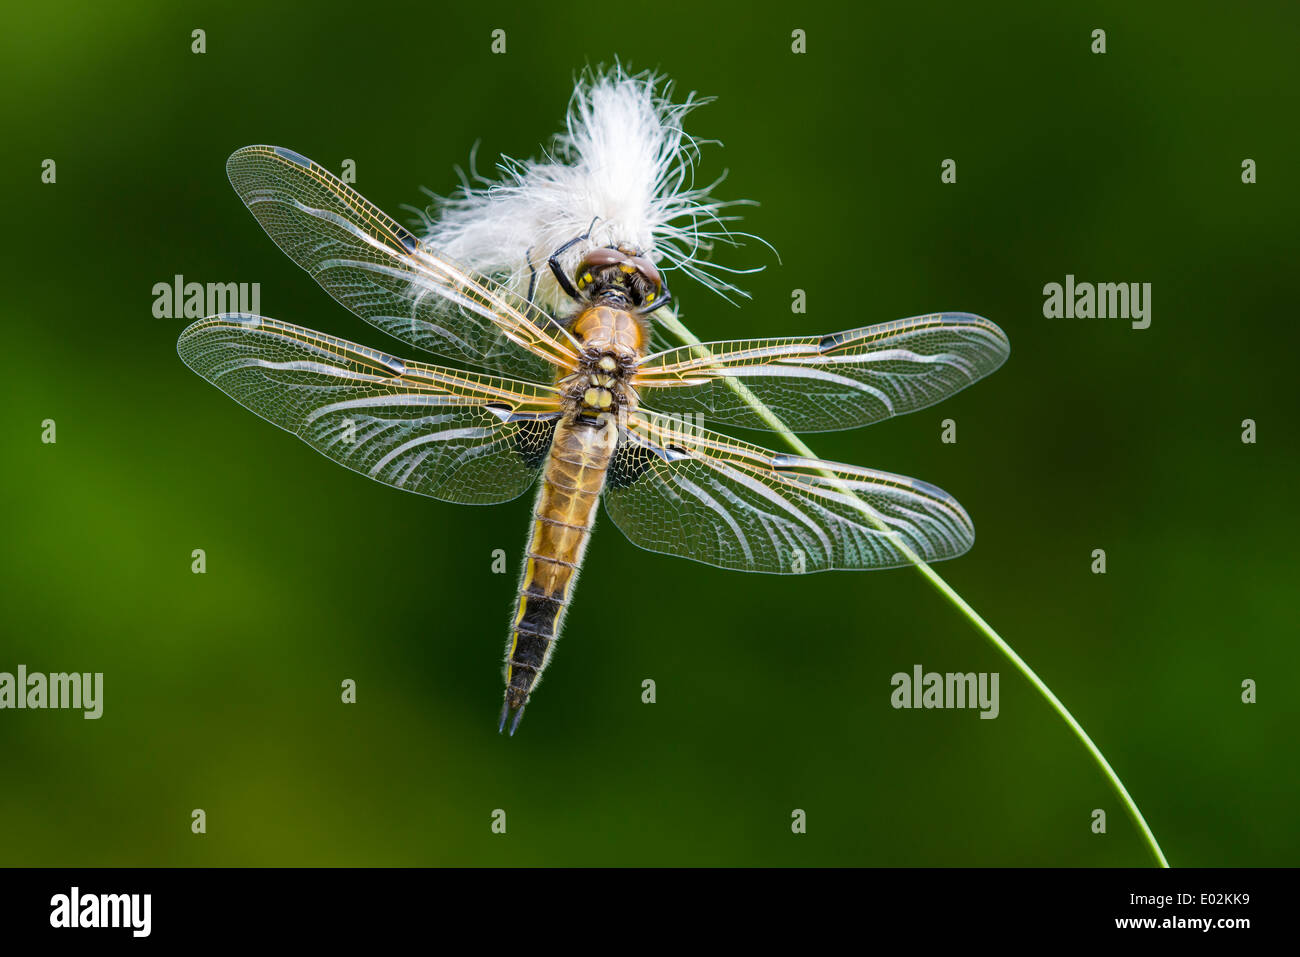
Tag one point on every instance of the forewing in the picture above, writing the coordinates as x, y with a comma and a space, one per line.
451, 435
715, 500
820, 383
387, 276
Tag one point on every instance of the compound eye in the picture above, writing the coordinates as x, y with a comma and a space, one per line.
602, 257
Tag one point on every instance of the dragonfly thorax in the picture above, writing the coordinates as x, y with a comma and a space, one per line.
601, 384
613, 340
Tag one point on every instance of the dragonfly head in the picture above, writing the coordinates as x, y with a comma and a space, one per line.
618, 273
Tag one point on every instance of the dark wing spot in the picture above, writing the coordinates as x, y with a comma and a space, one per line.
408, 239
533, 439
534, 432
632, 460
831, 342
628, 464
506, 413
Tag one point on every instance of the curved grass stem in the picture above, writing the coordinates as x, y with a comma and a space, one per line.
670, 321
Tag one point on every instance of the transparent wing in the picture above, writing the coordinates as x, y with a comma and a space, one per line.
707, 497
383, 273
661, 341
455, 436
821, 383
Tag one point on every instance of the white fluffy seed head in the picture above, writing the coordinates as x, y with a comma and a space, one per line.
623, 161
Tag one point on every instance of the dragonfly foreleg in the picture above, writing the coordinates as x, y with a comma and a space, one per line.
554, 262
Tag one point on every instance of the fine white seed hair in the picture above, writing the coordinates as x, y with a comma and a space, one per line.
624, 161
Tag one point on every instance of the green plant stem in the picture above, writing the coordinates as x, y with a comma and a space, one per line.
673, 324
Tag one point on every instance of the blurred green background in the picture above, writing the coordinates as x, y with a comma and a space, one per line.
222, 690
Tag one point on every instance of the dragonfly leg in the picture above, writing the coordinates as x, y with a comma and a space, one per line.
532, 286
554, 262
532, 275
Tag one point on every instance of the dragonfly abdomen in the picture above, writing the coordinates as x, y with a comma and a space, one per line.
562, 521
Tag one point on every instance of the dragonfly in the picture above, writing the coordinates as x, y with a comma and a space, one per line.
595, 402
